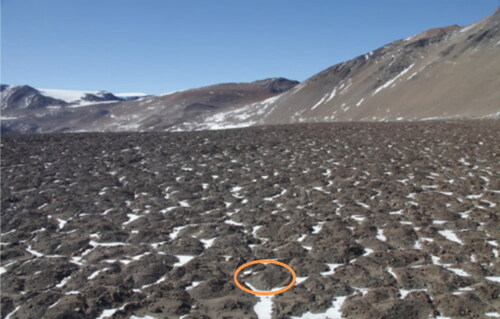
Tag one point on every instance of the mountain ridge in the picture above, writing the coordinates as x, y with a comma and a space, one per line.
448, 72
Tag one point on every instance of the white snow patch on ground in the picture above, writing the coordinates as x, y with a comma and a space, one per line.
389, 270
34, 252
63, 282
333, 312
208, 242
264, 307
367, 251
2, 270
332, 269
317, 228
176, 231
184, 203
358, 218
405, 292
439, 222
183, 259
497, 279
110, 244
12, 313
380, 235
193, 284
459, 272
397, 212
232, 222
145, 317
448, 234
132, 217
107, 313
96, 273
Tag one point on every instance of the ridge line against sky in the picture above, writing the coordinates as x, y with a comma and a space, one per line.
157, 46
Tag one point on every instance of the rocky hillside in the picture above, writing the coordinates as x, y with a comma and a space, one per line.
28, 110
450, 72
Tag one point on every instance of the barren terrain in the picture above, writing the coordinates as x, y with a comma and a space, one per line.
378, 220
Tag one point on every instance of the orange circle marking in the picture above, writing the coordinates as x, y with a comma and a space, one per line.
264, 261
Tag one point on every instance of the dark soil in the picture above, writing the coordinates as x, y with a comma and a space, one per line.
400, 219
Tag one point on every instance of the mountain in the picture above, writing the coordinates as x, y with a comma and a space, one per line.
449, 72
65, 110
443, 73
25, 97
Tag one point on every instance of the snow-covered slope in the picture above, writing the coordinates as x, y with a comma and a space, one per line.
66, 95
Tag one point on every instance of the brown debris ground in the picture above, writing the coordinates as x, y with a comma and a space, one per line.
401, 219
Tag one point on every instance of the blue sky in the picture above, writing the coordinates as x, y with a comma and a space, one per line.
158, 46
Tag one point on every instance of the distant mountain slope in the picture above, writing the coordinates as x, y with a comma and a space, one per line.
442, 73
25, 97
450, 72
62, 110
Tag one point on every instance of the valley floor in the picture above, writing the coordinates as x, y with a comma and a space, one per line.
378, 220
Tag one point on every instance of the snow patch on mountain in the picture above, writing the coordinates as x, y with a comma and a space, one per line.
68, 96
